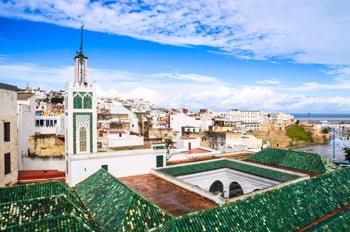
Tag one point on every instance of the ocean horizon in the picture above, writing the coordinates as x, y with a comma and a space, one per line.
321, 116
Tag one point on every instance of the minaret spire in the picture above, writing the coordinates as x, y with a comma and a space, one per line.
80, 61
81, 38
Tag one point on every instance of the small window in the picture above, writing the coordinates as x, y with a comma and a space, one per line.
7, 163
105, 167
37, 123
7, 133
120, 135
159, 161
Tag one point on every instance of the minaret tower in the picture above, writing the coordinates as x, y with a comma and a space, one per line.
80, 112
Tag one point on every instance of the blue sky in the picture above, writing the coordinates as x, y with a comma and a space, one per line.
220, 54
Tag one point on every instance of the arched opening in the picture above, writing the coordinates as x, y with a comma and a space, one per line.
82, 139
235, 190
77, 102
87, 102
216, 187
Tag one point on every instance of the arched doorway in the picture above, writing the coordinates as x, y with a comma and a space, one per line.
235, 190
216, 187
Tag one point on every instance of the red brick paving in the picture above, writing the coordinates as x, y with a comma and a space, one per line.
29, 176
166, 195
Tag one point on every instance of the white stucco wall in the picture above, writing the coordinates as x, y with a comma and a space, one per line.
120, 164
179, 120
8, 113
37, 163
113, 140
26, 126
248, 182
183, 143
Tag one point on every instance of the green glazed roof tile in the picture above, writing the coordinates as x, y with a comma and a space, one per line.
287, 208
115, 207
225, 163
303, 161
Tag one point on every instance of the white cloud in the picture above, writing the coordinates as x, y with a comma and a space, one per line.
190, 90
305, 31
273, 81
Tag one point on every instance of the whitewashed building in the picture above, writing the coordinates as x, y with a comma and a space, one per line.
179, 120
8, 134
49, 125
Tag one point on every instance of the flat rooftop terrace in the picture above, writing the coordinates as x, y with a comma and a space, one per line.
166, 195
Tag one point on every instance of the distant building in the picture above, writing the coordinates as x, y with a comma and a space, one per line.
8, 135
49, 125
179, 120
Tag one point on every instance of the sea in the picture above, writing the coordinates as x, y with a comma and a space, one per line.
326, 149
321, 117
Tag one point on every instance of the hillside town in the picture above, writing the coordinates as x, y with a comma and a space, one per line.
74, 161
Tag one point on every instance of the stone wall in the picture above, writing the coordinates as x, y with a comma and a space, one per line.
49, 145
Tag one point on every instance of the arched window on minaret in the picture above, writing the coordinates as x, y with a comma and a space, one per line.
82, 135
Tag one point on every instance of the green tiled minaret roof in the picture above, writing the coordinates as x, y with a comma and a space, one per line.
303, 161
115, 207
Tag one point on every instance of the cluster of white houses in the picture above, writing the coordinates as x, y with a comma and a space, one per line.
102, 133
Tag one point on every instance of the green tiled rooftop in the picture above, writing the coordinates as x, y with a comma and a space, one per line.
287, 208
339, 222
303, 161
225, 163
52, 206
115, 207
48, 206
31, 191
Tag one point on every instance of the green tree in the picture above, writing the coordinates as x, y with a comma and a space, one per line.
168, 142
347, 153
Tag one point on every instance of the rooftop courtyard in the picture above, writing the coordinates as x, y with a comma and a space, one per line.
225, 178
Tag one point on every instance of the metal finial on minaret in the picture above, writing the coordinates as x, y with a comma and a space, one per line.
80, 61
81, 38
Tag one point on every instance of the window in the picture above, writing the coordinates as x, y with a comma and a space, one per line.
37, 123
120, 135
105, 167
159, 161
7, 134
7, 163
82, 136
